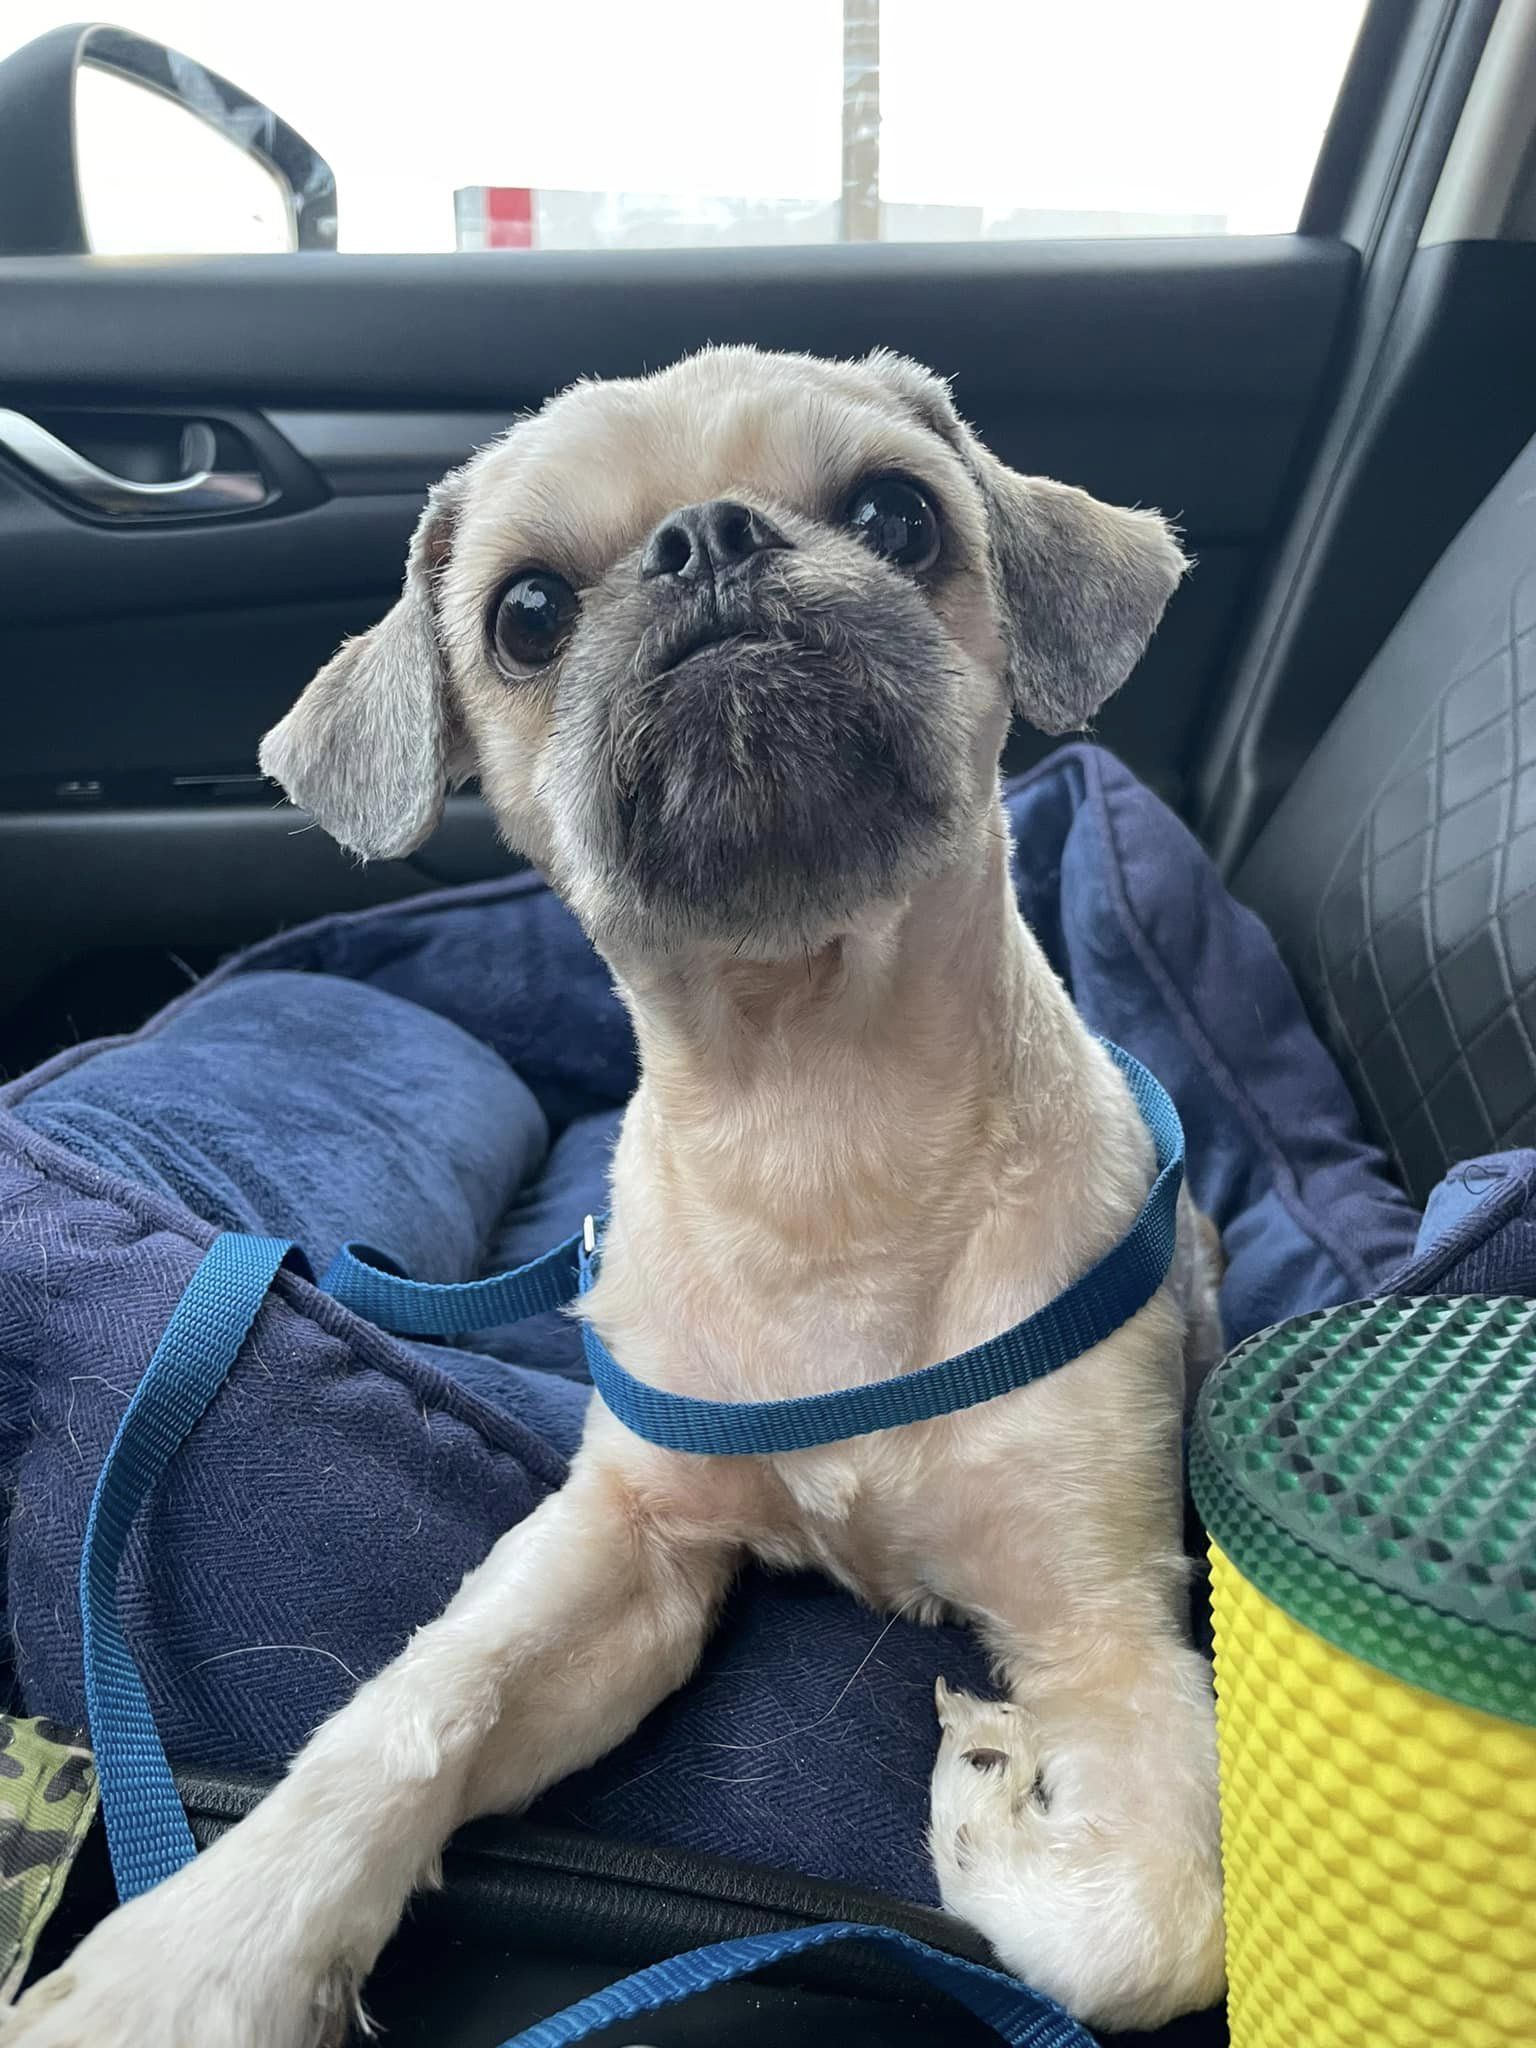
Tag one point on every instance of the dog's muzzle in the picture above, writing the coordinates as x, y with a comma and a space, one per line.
776, 747
698, 619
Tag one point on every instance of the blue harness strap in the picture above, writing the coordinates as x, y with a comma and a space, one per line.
1024, 2018
1084, 1314
147, 1831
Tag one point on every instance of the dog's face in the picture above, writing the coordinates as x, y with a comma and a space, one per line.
732, 649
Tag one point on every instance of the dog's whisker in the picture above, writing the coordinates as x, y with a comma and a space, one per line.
275, 1649
809, 1728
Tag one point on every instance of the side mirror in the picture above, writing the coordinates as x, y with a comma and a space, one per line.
112, 144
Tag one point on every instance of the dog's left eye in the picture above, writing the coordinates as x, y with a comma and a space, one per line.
531, 619
897, 520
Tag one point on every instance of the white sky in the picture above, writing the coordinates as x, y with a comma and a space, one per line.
1155, 106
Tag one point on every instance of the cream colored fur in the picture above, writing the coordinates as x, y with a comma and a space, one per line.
839, 1164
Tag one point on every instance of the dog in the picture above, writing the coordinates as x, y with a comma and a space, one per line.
733, 650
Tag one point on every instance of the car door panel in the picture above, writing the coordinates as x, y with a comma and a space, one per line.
1207, 318
141, 660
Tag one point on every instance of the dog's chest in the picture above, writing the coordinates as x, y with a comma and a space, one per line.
851, 1515
891, 1515
970, 1510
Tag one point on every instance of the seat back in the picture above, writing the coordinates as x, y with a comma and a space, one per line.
1399, 873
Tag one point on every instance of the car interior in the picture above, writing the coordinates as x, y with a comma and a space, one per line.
209, 470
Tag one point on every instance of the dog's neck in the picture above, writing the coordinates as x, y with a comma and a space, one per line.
906, 1055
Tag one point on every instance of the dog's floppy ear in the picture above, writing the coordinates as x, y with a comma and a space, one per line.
1081, 588
1080, 585
366, 746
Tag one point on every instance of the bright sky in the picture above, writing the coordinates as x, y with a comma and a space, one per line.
1147, 106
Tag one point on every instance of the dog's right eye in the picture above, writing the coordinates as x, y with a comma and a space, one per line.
532, 619
896, 519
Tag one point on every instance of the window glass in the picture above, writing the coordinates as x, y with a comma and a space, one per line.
607, 123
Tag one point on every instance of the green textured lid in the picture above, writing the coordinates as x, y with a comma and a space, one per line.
1372, 1470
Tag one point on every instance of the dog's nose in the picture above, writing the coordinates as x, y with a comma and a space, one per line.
703, 541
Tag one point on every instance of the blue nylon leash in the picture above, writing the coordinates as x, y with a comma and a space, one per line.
1024, 2018
147, 1830
1084, 1314
368, 1283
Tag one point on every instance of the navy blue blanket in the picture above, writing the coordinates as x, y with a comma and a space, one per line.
444, 1079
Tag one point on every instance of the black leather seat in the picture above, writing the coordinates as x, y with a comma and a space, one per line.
1399, 872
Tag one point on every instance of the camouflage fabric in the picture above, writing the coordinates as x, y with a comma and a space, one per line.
47, 1802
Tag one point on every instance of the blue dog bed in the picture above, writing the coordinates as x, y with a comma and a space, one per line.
444, 1079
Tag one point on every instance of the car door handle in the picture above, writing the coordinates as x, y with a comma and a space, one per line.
206, 493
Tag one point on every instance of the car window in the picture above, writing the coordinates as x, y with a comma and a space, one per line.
600, 124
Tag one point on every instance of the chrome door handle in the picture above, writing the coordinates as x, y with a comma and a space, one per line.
203, 494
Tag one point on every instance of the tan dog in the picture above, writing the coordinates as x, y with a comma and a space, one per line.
733, 651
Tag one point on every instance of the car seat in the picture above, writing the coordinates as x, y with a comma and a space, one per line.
1398, 874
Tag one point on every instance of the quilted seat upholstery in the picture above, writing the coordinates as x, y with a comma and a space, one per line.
1399, 873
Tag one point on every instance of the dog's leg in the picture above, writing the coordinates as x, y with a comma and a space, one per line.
1075, 1826
577, 1624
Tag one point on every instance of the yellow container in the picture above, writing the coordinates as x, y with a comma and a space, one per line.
1368, 1476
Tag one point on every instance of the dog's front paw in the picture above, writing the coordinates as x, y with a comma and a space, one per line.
986, 1779
1112, 1909
147, 1979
